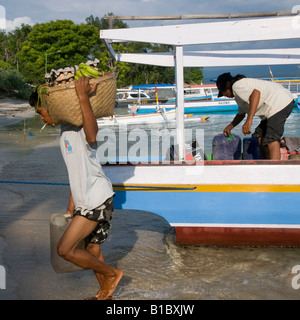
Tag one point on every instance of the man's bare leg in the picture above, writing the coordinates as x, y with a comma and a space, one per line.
263, 149
79, 229
274, 150
96, 251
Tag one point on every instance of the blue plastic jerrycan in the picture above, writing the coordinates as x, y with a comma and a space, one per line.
227, 148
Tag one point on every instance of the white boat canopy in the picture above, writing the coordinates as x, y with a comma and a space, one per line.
232, 31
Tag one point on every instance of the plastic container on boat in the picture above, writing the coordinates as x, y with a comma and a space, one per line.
226, 148
251, 149
58, 225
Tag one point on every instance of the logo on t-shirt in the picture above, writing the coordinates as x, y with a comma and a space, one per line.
68, 146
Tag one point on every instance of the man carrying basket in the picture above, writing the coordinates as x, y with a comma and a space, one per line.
91, 197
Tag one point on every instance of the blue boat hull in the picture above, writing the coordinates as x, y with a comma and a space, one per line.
235, 203
222, 107
212, 207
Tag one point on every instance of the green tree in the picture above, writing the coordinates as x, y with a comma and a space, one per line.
12, 84
11, 43
4, 65
74, 43
103, 24
193, 75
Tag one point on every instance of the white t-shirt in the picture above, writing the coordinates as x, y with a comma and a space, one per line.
273, 96
89, 186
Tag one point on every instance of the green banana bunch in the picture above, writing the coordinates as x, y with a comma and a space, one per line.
78, 74
86, 71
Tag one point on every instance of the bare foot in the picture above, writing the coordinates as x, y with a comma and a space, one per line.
109, 285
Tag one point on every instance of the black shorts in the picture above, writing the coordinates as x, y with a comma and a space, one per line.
102, 215
272, 129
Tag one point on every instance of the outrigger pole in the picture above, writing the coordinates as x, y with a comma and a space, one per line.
294, 11
275, 28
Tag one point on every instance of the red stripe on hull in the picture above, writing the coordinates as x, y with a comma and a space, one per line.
234, 236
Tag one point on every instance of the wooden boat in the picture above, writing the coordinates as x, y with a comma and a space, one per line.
227, 203
232, 203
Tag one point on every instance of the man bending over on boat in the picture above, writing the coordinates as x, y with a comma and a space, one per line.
268, 100
91, 197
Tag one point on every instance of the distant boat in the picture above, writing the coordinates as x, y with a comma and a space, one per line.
199, 92
191, 93
125, 97
149, 118
218, 105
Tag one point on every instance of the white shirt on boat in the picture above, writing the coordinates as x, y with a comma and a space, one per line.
89, 186
273, 96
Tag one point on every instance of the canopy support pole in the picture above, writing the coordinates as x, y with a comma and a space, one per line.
179, 78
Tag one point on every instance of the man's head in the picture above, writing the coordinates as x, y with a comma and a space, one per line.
224, 84
44, 115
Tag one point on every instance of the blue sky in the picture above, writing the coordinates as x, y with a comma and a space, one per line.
37, 11
34, 11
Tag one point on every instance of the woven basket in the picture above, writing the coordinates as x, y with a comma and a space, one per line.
62, 103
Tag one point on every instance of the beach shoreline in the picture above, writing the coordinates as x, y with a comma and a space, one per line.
14, 110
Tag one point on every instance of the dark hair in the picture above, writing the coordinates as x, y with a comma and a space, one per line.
226, 80
33, 99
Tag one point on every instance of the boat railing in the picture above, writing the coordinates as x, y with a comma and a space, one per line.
292, 84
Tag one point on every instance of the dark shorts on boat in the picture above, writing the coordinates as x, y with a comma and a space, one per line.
272, 129
102, 215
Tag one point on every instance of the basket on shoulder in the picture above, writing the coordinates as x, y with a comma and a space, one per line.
59, 97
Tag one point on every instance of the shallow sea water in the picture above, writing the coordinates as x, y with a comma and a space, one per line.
155, 267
